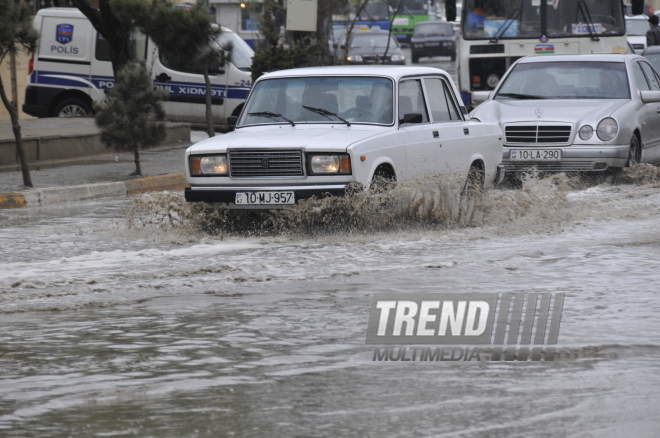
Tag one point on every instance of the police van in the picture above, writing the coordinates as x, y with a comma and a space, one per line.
72, 68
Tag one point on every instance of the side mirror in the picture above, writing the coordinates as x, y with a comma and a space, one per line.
480, 96
232, 121
412, 118
650, 96
637, 7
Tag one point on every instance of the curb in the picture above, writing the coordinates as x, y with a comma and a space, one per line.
53, 195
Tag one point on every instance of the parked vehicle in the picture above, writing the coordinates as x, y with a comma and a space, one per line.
433, 38
369, 46
312, 131
636, 28
652, 54
576, 113
72, 68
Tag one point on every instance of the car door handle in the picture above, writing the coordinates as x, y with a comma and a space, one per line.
163, 77
436, 135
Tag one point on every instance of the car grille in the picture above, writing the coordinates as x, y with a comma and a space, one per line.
372, 59
244, 164
561, 166
537, 134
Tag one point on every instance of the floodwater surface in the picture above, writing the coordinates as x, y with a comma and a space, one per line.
146, 317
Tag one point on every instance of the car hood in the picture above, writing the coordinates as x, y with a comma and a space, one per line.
372, 51
576, 111
422, 39
326, 139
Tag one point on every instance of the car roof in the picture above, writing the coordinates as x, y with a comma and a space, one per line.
392, 71
651, 50
583, 57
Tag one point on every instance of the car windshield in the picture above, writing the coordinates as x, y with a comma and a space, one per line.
288, 100
654, 59
242, 53
637, 27
566, 80
433, 29
367, 40
522, 18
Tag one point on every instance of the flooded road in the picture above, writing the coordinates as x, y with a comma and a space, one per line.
121, 320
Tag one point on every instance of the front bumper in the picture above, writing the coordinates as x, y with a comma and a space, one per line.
227, 195
433, 51
596, 158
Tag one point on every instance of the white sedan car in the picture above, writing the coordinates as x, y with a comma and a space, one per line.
312, 131
582, 113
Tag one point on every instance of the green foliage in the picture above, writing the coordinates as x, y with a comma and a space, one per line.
272, 54
16, 28
131, 115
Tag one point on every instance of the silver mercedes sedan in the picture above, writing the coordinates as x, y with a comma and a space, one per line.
584, 113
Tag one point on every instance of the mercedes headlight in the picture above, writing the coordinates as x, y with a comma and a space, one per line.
607, 129
330, 164
586, 132
214, 165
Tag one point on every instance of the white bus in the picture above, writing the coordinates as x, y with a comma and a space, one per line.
495, 33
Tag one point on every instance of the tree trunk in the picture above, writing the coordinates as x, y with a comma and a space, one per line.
13, 113
349, 31
116, 33
389, 34
138, 169
209, 107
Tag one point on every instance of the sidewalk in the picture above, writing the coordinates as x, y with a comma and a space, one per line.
96, 176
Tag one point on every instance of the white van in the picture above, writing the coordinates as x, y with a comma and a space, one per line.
72, 68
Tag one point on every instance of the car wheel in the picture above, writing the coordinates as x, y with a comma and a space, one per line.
634, 155
72, 108
382, 181
474, 185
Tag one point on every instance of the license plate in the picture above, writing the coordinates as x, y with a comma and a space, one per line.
265, 198
535, 155
432, 44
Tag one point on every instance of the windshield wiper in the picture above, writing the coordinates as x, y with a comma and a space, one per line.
520, 96
325, 112
584, 10
269, 114
505, 26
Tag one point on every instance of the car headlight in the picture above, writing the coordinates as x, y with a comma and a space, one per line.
330, 164
398, 57
354, 58
607, 129
586, 132
214, 165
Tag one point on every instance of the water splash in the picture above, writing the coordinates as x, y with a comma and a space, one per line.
429, 204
